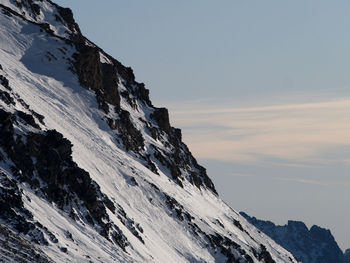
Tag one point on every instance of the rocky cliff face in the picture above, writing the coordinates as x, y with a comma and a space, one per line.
307, 245
90, 170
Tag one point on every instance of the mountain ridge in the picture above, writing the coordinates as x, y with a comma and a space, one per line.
91, 171
307, 245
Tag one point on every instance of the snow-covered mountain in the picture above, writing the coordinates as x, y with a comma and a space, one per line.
90, 170
314, 245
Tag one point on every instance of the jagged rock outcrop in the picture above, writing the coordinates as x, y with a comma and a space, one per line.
13, 248
307, 245
43, 161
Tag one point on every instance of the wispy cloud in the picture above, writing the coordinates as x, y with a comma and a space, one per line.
303, 181
239, 175
295, 132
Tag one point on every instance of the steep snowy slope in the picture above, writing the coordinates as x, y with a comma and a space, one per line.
90, 170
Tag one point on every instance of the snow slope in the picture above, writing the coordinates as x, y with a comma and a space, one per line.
154, 205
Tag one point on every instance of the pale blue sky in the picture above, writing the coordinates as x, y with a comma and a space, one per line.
227, 69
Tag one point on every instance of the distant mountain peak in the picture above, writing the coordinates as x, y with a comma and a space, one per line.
347, 256
314, 245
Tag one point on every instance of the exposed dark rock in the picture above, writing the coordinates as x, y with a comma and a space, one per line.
127, 76
226, 246
129, 99
133, 181
134, 228
5, 97
217, 221
265, 255
142, 93
14, 213
69, 235
39, 117
119, 238
67, 16
28, 119
6, 128
5, 82
218, 243
167, 161
150, 165
177, 208
58, 177
13, 248
33, 8
110, 84
131, 137
161, 116
64, 249
238, 224
181, 158
102, 78
88, 67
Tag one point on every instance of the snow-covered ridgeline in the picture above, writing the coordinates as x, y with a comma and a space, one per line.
176, 224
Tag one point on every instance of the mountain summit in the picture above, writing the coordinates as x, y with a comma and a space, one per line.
90, 170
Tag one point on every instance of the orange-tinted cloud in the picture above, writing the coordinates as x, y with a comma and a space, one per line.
291, 131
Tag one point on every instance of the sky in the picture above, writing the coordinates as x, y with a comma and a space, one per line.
260, 89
